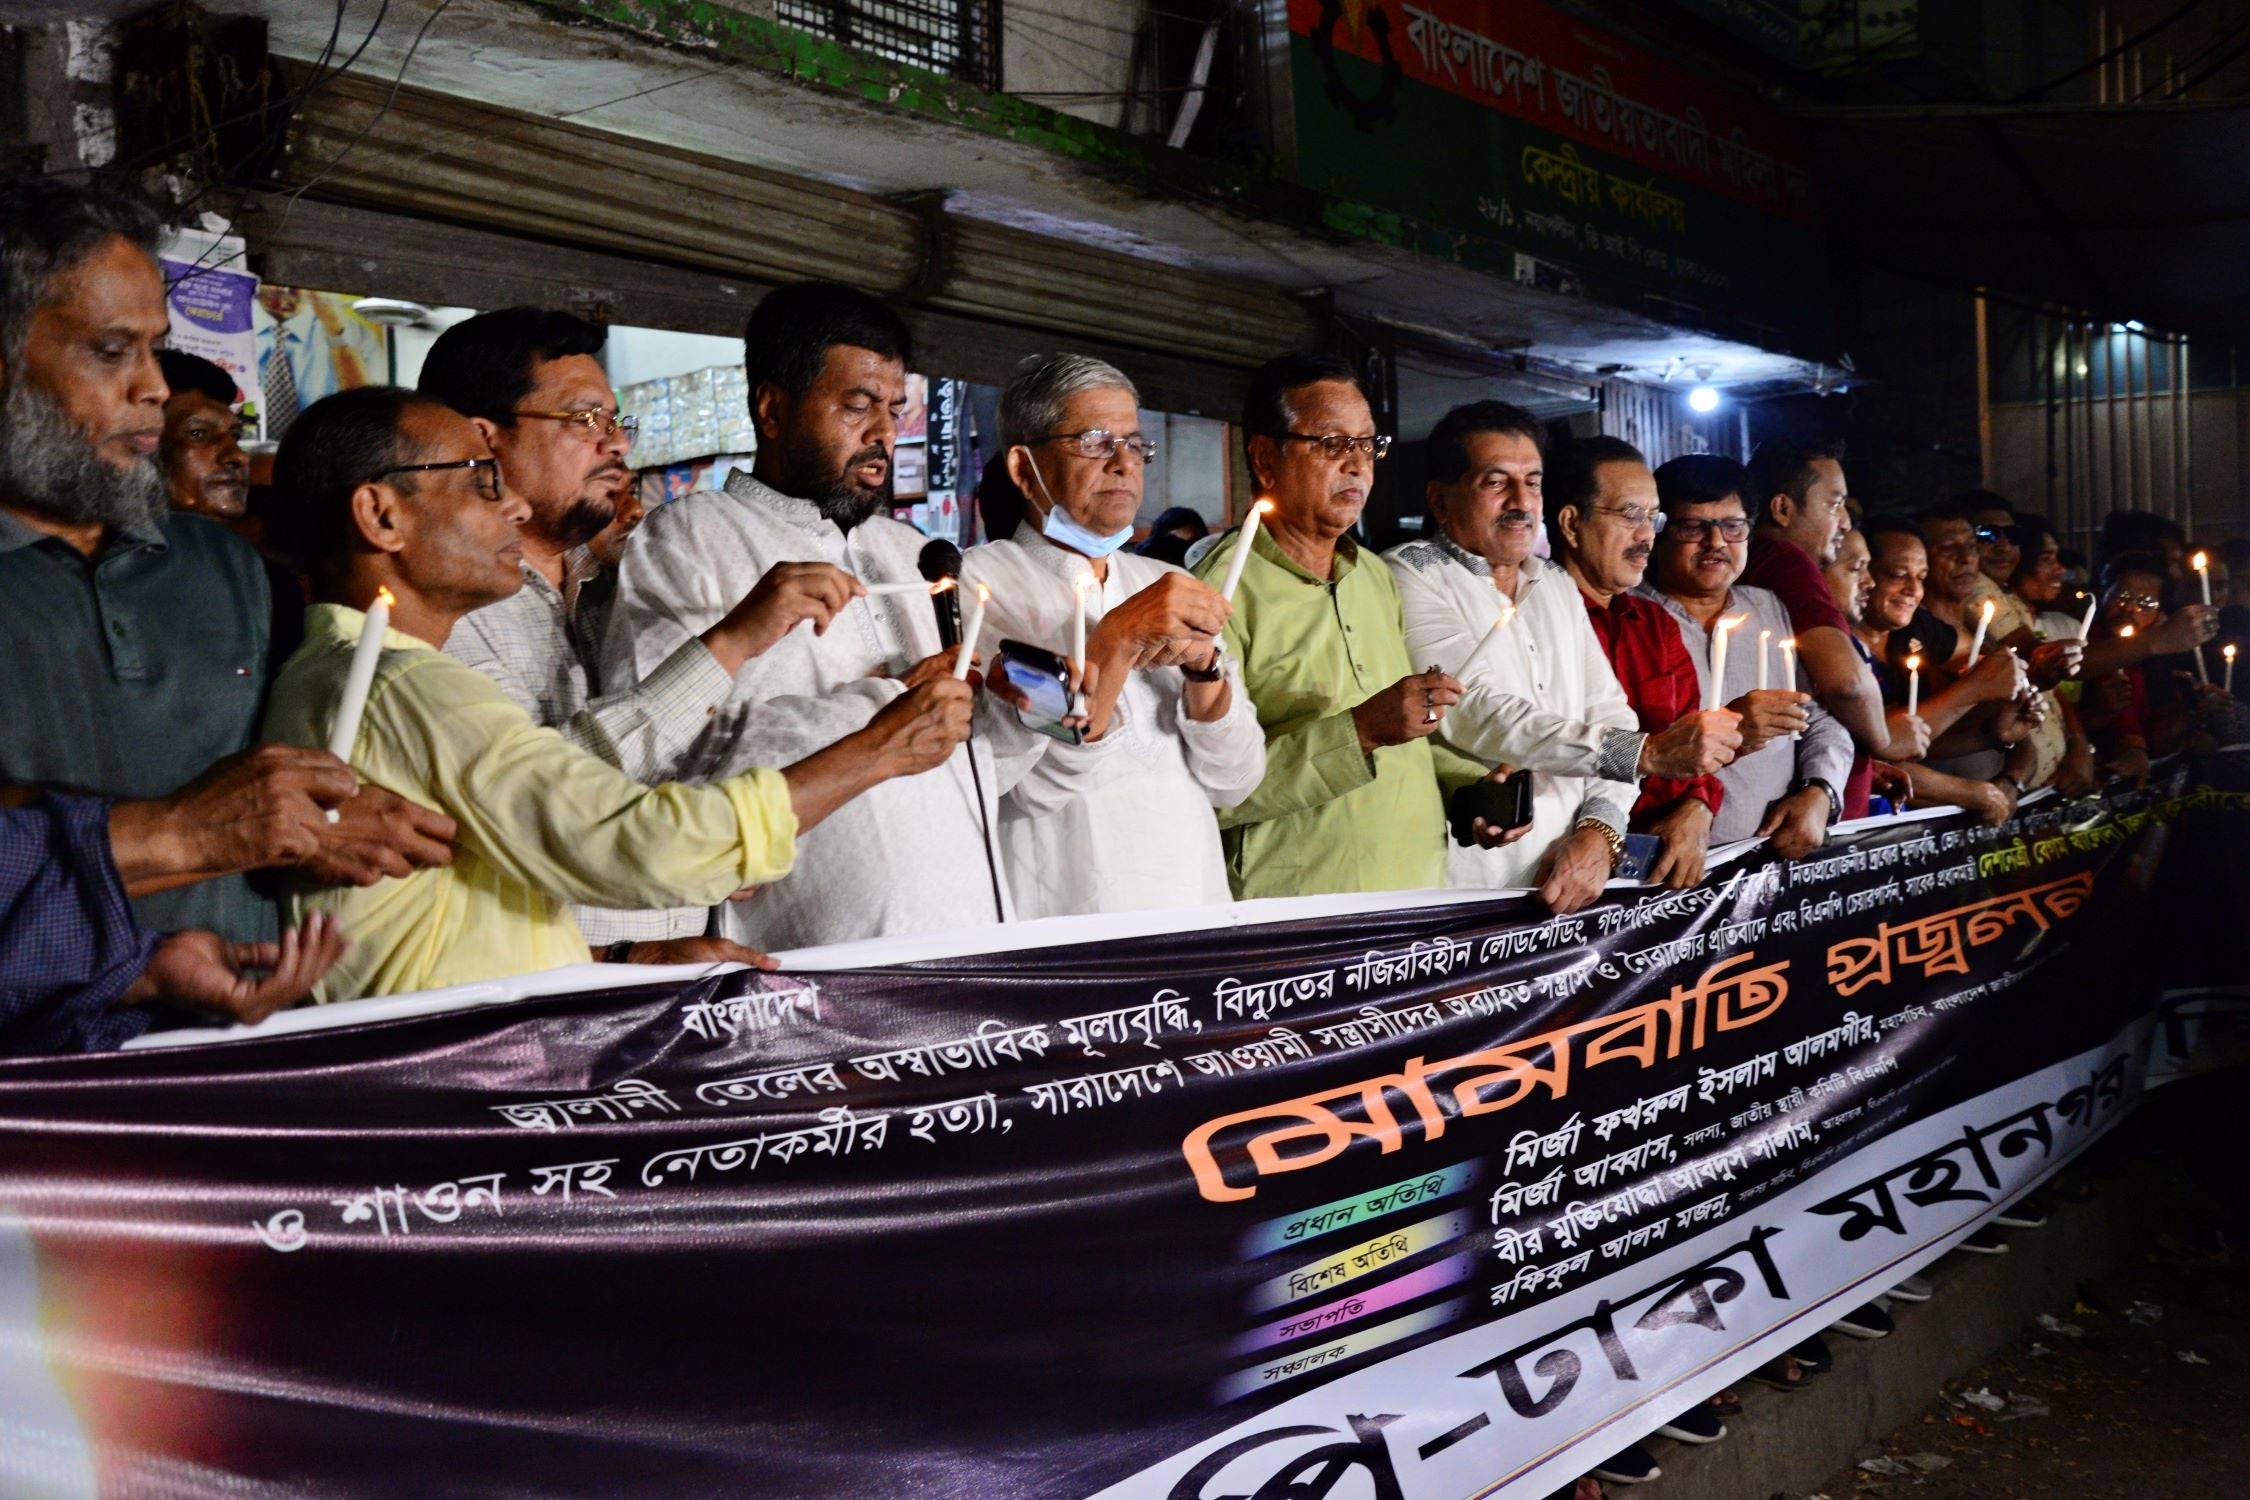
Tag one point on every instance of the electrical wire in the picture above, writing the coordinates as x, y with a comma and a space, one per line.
2110, 56
380, 115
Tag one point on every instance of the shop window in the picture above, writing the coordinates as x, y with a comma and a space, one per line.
957, 37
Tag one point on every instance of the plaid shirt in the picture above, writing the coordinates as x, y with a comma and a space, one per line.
535, 646
69, 946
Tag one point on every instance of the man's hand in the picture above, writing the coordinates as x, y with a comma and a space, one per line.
1577, 869
2188, 627
1486, 835
1997, 675
1797, 824
698, 950
1910, 736
936, 668
2014, 722
2055, 662
917, 730
1697, 744
1772, 715
1684, 832
379, 834
202, 971
2077, 776
2129, 762
1173, 620
1409, 709
265, 806
789, 594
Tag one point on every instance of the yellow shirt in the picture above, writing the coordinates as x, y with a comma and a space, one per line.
542, 822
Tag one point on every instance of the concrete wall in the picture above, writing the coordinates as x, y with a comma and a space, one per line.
2215, 501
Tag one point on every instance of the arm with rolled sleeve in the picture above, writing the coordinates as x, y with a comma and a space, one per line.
1826, 752
547, 814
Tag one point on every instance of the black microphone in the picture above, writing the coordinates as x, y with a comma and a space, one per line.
942, 560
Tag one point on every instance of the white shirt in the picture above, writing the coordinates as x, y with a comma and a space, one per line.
908, 856
1143, 835
1540, 697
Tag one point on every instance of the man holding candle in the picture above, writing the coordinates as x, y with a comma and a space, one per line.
530, 380
1788, 790
1538, 695
826, 368
399, 494
1350, 800
135, 642
1184, 738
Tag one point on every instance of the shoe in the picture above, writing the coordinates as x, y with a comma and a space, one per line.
1986, 1241
1698, 1424
1814, 1356
2027, 1212
1865, 1322
1632, 1464
1912, 1289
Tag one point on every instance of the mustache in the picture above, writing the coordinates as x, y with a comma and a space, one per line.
1516, 520
871, 454
1707, 558
1639, 552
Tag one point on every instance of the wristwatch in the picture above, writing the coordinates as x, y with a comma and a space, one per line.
1610, 836
1211, 673
1835, 803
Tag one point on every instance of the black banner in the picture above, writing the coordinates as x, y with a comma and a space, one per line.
1436, 1199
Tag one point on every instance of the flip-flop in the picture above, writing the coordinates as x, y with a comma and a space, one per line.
1784, 1374
1727, 1404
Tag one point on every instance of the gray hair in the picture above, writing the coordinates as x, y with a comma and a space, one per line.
1031, 408
47, 228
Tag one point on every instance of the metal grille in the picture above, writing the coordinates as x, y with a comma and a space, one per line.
957, 37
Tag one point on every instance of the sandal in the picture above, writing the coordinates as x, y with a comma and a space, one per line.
1784, 1374
1727, 1404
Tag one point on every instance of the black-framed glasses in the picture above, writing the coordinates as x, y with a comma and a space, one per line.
479, 469
1636, 516
593, 421
1733, 528
1336, 444
1100, 442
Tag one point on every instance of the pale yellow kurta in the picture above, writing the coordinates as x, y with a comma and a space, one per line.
542, 822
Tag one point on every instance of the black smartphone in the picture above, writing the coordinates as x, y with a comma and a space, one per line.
1502, 804
1044, 679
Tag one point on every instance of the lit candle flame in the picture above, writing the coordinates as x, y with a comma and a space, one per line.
1732, 621
943, 585
1263, 507
1989, 607
2201, 562
386, 596
1914, 664
2228, 653
2126, 633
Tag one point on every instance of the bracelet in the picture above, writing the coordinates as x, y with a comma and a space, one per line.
1610, 836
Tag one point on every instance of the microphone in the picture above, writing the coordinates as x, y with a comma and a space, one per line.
942, 560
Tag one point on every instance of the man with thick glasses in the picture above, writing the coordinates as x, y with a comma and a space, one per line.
530, 380
1787, 790
1350, 800
1181, 736
1538, 696
399, 495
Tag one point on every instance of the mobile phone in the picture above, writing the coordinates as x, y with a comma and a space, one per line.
1640, 855
1044, 679
1502, 804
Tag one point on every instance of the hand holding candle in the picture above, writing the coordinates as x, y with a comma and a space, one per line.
1984, 622
1913, 685
970, 631
357, 681
1242, 542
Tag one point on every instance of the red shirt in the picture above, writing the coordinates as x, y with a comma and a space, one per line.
1651, 662
1790, 571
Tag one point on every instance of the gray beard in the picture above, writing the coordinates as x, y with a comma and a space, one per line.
47, 465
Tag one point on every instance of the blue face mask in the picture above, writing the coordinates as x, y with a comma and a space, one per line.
1064, 531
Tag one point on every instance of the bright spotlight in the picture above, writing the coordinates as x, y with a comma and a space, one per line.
1703, 398
2135, 325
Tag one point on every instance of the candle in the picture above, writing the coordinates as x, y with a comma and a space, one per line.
880, 590
1788, 644
2228, 653
2202, 672
1976, 643
1507, 613
2201, 562
1913, 685
2125, 633
1242, 548
2086, 626
969, 634
359, 679
1763, 637
1713, 695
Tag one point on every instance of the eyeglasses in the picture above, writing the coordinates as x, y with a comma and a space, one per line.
593, 421
1990, 534
1636, 516
2138, 601
1336, 445
1098, 442
1733, 528
479, 468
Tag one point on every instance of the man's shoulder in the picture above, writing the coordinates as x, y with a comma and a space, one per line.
1418, 556
199, 541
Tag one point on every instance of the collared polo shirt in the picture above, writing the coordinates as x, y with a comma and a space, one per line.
127, 673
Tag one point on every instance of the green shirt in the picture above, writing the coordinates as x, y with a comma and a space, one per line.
126, 674
1328, 817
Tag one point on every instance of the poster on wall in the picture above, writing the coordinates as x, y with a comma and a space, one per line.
310, 345
210, 296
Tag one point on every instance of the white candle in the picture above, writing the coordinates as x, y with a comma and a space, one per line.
1976, 642
1713, 696
1788, 644
1913, 685
1507, 613
2086, 626
359, 679
1763, 637
2201, 562
2202, 672
1242, 542
969, 634
880, 590
2228, 653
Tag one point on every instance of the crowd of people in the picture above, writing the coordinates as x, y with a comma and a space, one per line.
739, 724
